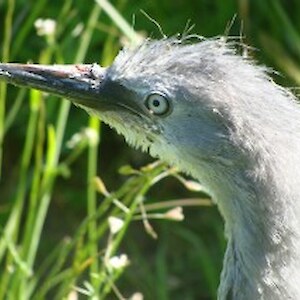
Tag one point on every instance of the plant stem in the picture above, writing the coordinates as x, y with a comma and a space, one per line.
119, 21
94, 125
12, 226
5, 58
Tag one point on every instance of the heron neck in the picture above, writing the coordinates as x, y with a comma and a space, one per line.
263, 235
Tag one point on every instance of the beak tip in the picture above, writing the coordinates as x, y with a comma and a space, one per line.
75, 82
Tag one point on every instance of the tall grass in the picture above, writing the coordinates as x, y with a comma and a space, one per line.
87, 263
21, 234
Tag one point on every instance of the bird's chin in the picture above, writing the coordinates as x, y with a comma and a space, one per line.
125, 124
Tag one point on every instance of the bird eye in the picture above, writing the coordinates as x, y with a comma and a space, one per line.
158, 104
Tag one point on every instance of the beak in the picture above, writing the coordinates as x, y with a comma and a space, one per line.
82, 84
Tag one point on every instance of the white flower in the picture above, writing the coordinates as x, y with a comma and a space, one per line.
45, 27
137, 296
175, 214
193, 186
74, 140
77, 30
118, 262
92, 135
85, 135
115, 224
73, 295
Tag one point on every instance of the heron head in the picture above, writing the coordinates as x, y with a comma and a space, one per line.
163, 96
172, 94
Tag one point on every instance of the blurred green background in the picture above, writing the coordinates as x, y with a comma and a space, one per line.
185, 261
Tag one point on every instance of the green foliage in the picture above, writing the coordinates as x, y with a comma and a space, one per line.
62, 231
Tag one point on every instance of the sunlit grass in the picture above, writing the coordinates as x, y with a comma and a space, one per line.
94, 269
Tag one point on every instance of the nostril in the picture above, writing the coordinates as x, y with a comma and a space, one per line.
96, 72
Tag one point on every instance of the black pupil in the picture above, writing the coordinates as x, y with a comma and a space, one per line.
156, 102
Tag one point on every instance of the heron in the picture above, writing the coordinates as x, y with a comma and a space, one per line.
219, 117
